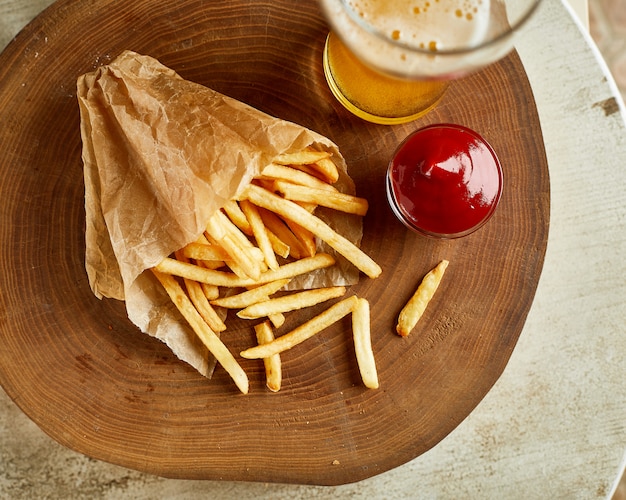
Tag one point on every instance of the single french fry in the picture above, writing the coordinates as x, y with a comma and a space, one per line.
272, 364
202, 330
215, 265
327, 169
277, 320
304, 157
324, 169
211, 292
303, 332
201, 274
289, 210
336, 200
309, 207
211, 264
220, 278
205, 251
363, 344
415, 307
251, 212
252, 296
312, 171
295, 176
237, 216
291, 302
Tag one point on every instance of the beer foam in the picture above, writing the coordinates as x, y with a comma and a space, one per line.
427, 24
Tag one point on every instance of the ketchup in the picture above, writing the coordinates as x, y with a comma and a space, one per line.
444, 181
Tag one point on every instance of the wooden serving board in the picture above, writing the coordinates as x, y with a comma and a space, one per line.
88, 378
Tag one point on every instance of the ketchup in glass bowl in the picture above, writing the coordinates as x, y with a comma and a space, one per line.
444, 181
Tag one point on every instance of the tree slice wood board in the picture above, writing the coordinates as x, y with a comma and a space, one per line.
80, 370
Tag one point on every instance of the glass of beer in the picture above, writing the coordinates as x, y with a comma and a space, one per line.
391, 61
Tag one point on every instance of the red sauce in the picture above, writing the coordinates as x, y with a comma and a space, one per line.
444, 180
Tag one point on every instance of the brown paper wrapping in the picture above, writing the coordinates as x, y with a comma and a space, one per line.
161, 154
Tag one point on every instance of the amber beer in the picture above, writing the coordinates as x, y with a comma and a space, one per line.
372, 95
390, 61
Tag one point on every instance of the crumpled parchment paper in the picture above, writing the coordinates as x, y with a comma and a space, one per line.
161, 154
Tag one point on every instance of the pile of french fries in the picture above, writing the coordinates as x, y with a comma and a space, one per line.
252, 247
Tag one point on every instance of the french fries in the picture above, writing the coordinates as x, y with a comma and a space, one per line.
203, 331
415, 307
290, 210
304, 157
273, 366
335, 199
358, 307
201, 302
258, 229
317, 163
291, 302
363, 343
231, 280
252, 247
305, 331
249, 297
281, 172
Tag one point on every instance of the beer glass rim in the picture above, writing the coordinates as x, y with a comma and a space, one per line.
532, 7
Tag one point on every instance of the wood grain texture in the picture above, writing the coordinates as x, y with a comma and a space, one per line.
94, 383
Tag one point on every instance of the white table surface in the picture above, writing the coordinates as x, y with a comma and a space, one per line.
554, 425
581, 10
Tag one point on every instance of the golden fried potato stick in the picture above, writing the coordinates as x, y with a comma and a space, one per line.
272, 364
202, 330
290, 210
309, 207
252, 296
291, 302
295, 176
327, 169
205, 251
304, 157
236, 215
221, 278
336, 200
303, 332
363, 344
280, 247
415, 307
210, 291
277, 320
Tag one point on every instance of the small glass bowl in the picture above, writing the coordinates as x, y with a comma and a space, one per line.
444, 181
